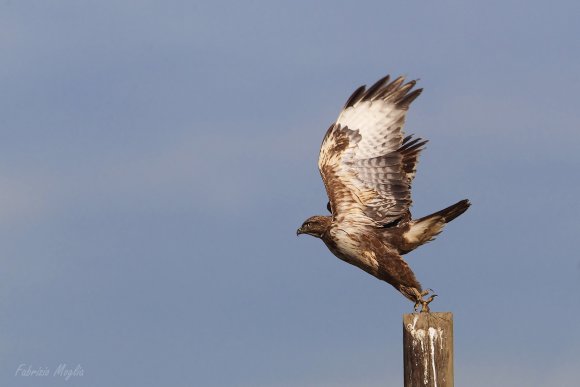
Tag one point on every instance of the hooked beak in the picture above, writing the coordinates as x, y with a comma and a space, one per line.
299, 231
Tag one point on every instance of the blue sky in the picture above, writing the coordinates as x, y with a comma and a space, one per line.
157, 157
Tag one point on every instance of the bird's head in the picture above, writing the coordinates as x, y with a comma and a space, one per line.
315, 226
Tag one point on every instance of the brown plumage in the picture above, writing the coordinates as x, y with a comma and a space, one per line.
367, 166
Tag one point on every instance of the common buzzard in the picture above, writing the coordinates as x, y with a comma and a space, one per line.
367, 166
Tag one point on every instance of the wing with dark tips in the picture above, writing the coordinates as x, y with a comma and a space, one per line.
366, 163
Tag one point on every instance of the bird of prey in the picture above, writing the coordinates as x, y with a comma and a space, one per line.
367, 166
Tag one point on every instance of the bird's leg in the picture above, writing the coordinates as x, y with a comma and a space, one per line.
419, 300
425, 302
426, 291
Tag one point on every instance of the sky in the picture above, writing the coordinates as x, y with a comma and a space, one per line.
156, 158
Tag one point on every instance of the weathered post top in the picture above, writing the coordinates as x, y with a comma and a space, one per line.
428, 349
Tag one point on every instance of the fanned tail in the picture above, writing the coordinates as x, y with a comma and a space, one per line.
428, 227
449, 213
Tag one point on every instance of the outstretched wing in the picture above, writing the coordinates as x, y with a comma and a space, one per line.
366, 163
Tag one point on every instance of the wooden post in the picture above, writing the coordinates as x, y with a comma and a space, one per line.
428, 349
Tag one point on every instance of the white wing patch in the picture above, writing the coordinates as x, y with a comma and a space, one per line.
366, 164
378, 122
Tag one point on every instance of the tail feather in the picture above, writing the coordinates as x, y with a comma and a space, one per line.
427, 228
451, 212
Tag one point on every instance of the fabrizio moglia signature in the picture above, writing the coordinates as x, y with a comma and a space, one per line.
62, 370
